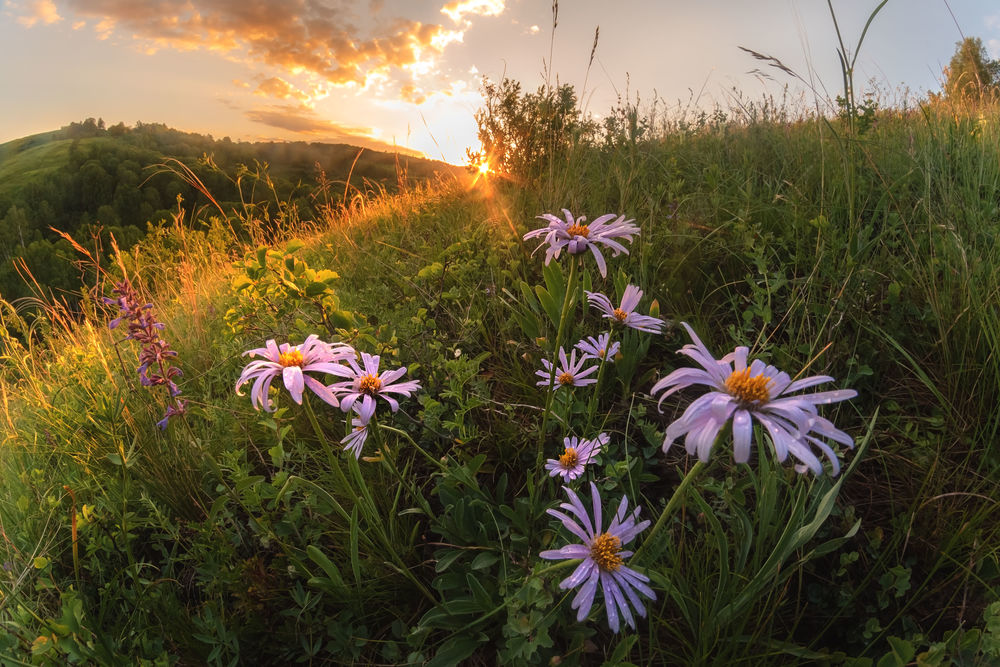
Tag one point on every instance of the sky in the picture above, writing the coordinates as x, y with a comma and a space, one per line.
406, 74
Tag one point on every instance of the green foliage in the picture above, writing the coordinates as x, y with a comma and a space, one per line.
275, 287
525, 134
95, 182
237, 536
971, 73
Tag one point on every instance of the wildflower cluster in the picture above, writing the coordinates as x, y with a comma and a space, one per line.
741, 391
297, 365
601, 551
155, 357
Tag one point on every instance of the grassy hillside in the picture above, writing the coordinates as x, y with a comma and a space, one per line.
237, 535
94, 182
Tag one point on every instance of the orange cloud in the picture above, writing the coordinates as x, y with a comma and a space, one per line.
278, 87
303, 120
40, 11
457, 10
320, 38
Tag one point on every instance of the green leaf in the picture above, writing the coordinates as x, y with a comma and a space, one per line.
453, 651
327, 276
327, 566
902, 652
316, 288
552, 309
294, 244
431, 271
445, 561
484, 560
355, 567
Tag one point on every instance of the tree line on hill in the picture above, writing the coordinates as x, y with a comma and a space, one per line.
91, 181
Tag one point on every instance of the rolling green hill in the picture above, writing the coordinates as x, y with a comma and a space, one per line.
92, 181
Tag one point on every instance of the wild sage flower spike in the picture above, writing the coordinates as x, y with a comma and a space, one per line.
569, 373
155, 354
602, 559
365, 383
576, 236
575, 457
293, 363
625, 313
742, 393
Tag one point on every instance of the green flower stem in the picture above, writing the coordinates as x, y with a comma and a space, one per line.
389, 459
561, 565
330, 455
592, 406
675, 499
420, 449
374, 520
563, 317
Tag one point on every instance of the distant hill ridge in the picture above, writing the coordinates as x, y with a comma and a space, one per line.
88, 178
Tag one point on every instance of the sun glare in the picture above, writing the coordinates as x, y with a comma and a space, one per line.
484, 168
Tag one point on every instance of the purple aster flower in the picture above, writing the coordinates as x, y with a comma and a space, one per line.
744, 393
603, 559
599, 348
355, 440
292, 362
576, 456
569, 373
625, 314
366, 383
577, 236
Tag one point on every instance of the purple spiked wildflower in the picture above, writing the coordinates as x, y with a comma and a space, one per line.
599, 348
743, 393
155, 368
602, 559
576, 235
625, 314
293, 363
365, 384
569, 373
575, 457
178, 407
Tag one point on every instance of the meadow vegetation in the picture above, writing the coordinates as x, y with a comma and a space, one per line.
861, 246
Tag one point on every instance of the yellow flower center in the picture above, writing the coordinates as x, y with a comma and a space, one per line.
565, 378
601, 353
290, 358
578, 230
604, 551
749, 389
569, 458
369, 384
620, 314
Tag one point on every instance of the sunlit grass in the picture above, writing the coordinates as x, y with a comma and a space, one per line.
235, 535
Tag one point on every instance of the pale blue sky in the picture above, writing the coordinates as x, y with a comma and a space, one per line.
383, 72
